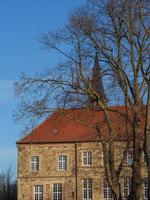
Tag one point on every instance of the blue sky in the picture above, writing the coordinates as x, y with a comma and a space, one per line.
21, 21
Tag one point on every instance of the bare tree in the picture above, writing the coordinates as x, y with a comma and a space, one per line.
147, 139
122, 37
8, 186
115, 32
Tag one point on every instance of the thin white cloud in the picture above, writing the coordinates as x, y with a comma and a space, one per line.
6, 90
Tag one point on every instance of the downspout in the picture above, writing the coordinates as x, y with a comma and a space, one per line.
76, 172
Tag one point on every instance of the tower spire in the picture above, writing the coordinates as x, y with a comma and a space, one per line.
97, 82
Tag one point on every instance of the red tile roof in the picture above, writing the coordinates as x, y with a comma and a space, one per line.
73, 125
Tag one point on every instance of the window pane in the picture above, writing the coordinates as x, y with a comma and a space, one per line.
129, 157
127, 187
87, 189
145, 180
34, 163
38, 192
87, 158
107, 193
62, 162
57, 191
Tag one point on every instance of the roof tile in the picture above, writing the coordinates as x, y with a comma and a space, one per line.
75, 125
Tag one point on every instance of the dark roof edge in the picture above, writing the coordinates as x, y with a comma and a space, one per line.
54, 142
63, 142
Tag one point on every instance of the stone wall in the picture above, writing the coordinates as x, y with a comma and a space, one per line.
48, 169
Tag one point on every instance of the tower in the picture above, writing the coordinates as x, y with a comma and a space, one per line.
97, 84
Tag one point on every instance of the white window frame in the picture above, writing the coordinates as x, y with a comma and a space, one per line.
38, 192
57, 191
62, 162
34, 163
145, 187
126, 187
129, 157
107, 193
87, 158
87, 189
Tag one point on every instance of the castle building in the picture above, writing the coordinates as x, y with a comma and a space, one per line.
62, 158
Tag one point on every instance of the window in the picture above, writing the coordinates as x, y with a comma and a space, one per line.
126, 187
38, 192
145, 188
107, 193
34, 163
62, 162
57, 191
129, 157
87, 158
87, 189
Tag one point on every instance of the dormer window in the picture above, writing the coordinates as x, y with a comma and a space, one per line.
55, 131
34, 163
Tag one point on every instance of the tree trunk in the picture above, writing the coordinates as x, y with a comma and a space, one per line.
117, 194
111, 175
148, 181
147, 141
136, 175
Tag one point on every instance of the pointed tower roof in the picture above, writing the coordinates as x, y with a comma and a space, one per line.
97, 82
